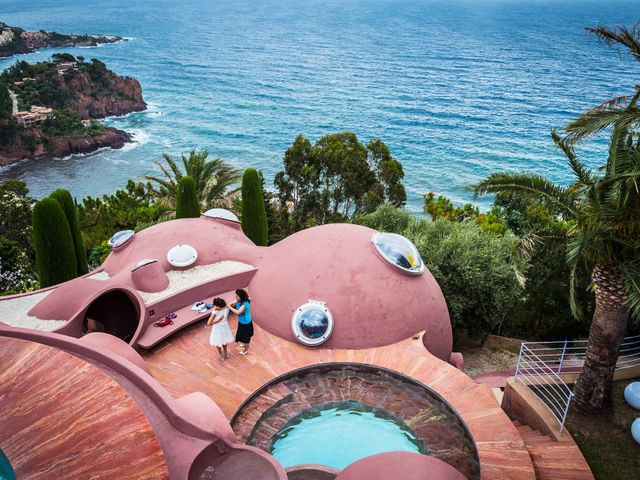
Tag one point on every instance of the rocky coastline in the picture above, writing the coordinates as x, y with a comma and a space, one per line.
62, 122
50, 146
15, 40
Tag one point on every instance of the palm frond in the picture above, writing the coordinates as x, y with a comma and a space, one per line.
529, 184
596, 120
622, 36
581, 171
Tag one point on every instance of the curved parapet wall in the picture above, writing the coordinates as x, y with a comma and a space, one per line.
64, 418
404, 465
182, 429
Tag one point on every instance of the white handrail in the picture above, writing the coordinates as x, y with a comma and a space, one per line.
542, 364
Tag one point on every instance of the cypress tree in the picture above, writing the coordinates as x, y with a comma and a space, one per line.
187, 205
63, 197
53, 243
254, 216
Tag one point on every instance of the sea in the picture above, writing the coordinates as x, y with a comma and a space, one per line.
456, 88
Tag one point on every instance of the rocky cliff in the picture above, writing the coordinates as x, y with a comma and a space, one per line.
109, 96
15, 40
46, 145
72, 90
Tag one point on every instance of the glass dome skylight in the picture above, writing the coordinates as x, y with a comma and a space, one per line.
182, 255
120, 238
399, 252
222, 214
312, 323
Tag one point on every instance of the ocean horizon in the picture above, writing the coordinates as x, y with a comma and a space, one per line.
456, 89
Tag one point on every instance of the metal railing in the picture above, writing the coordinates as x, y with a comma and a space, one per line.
542, 364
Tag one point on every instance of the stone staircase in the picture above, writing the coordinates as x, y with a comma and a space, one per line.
554, 460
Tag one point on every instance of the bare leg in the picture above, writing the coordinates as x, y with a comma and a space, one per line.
220, 355
226, 353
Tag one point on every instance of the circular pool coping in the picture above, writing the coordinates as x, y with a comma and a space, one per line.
325, 367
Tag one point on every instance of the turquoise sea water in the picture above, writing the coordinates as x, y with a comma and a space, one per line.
339, 436
456, 88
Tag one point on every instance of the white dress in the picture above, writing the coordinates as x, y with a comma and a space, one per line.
221, 332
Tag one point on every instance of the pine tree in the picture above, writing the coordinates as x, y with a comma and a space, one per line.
53, 243
63, 197
254, 216
187, 205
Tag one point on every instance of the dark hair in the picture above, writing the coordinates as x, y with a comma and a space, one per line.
244, 296
219, 302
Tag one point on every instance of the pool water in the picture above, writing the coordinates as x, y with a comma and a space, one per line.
6, 472
338, 434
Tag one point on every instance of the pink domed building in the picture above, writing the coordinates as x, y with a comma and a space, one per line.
115, 373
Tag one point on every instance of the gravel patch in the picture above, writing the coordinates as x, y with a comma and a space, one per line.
181, 279
13, 312
103, 275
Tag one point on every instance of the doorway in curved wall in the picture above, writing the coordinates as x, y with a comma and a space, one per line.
115, 313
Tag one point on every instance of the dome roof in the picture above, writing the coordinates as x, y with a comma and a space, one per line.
372, 302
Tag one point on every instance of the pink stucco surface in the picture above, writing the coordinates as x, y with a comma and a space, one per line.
400, 465
371, 301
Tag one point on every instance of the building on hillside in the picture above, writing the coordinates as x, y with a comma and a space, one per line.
6, 35
34, 115
64, 67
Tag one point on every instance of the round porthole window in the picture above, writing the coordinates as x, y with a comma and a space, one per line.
120, 238
182, 255
312, 323
399, 252
222, 214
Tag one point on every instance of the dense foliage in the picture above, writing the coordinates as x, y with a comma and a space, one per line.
127, 209
63, 197
6, 105
254, 215
16, 252
215, 180
336, 178
477, 270
53, 243
187, 205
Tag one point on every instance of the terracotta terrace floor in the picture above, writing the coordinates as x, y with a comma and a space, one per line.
186, 363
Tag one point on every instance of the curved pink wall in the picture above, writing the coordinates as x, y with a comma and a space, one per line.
400, 465
371, 301
150, 278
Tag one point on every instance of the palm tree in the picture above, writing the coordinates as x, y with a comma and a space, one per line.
623, 110
216, 181
604, 208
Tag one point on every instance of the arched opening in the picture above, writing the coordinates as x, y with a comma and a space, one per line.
113, 312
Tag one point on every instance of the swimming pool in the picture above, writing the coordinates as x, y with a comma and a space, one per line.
333, 414
338, 434
6, 472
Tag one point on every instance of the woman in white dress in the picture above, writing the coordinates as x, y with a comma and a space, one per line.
220, 331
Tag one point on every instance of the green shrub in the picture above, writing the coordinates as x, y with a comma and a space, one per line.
187, 205
254, 216
99, 254
63, 197
475, 269
53, 243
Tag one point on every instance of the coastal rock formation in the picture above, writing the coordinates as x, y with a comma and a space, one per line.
15, 40
46, 109
115, 96
51, 146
